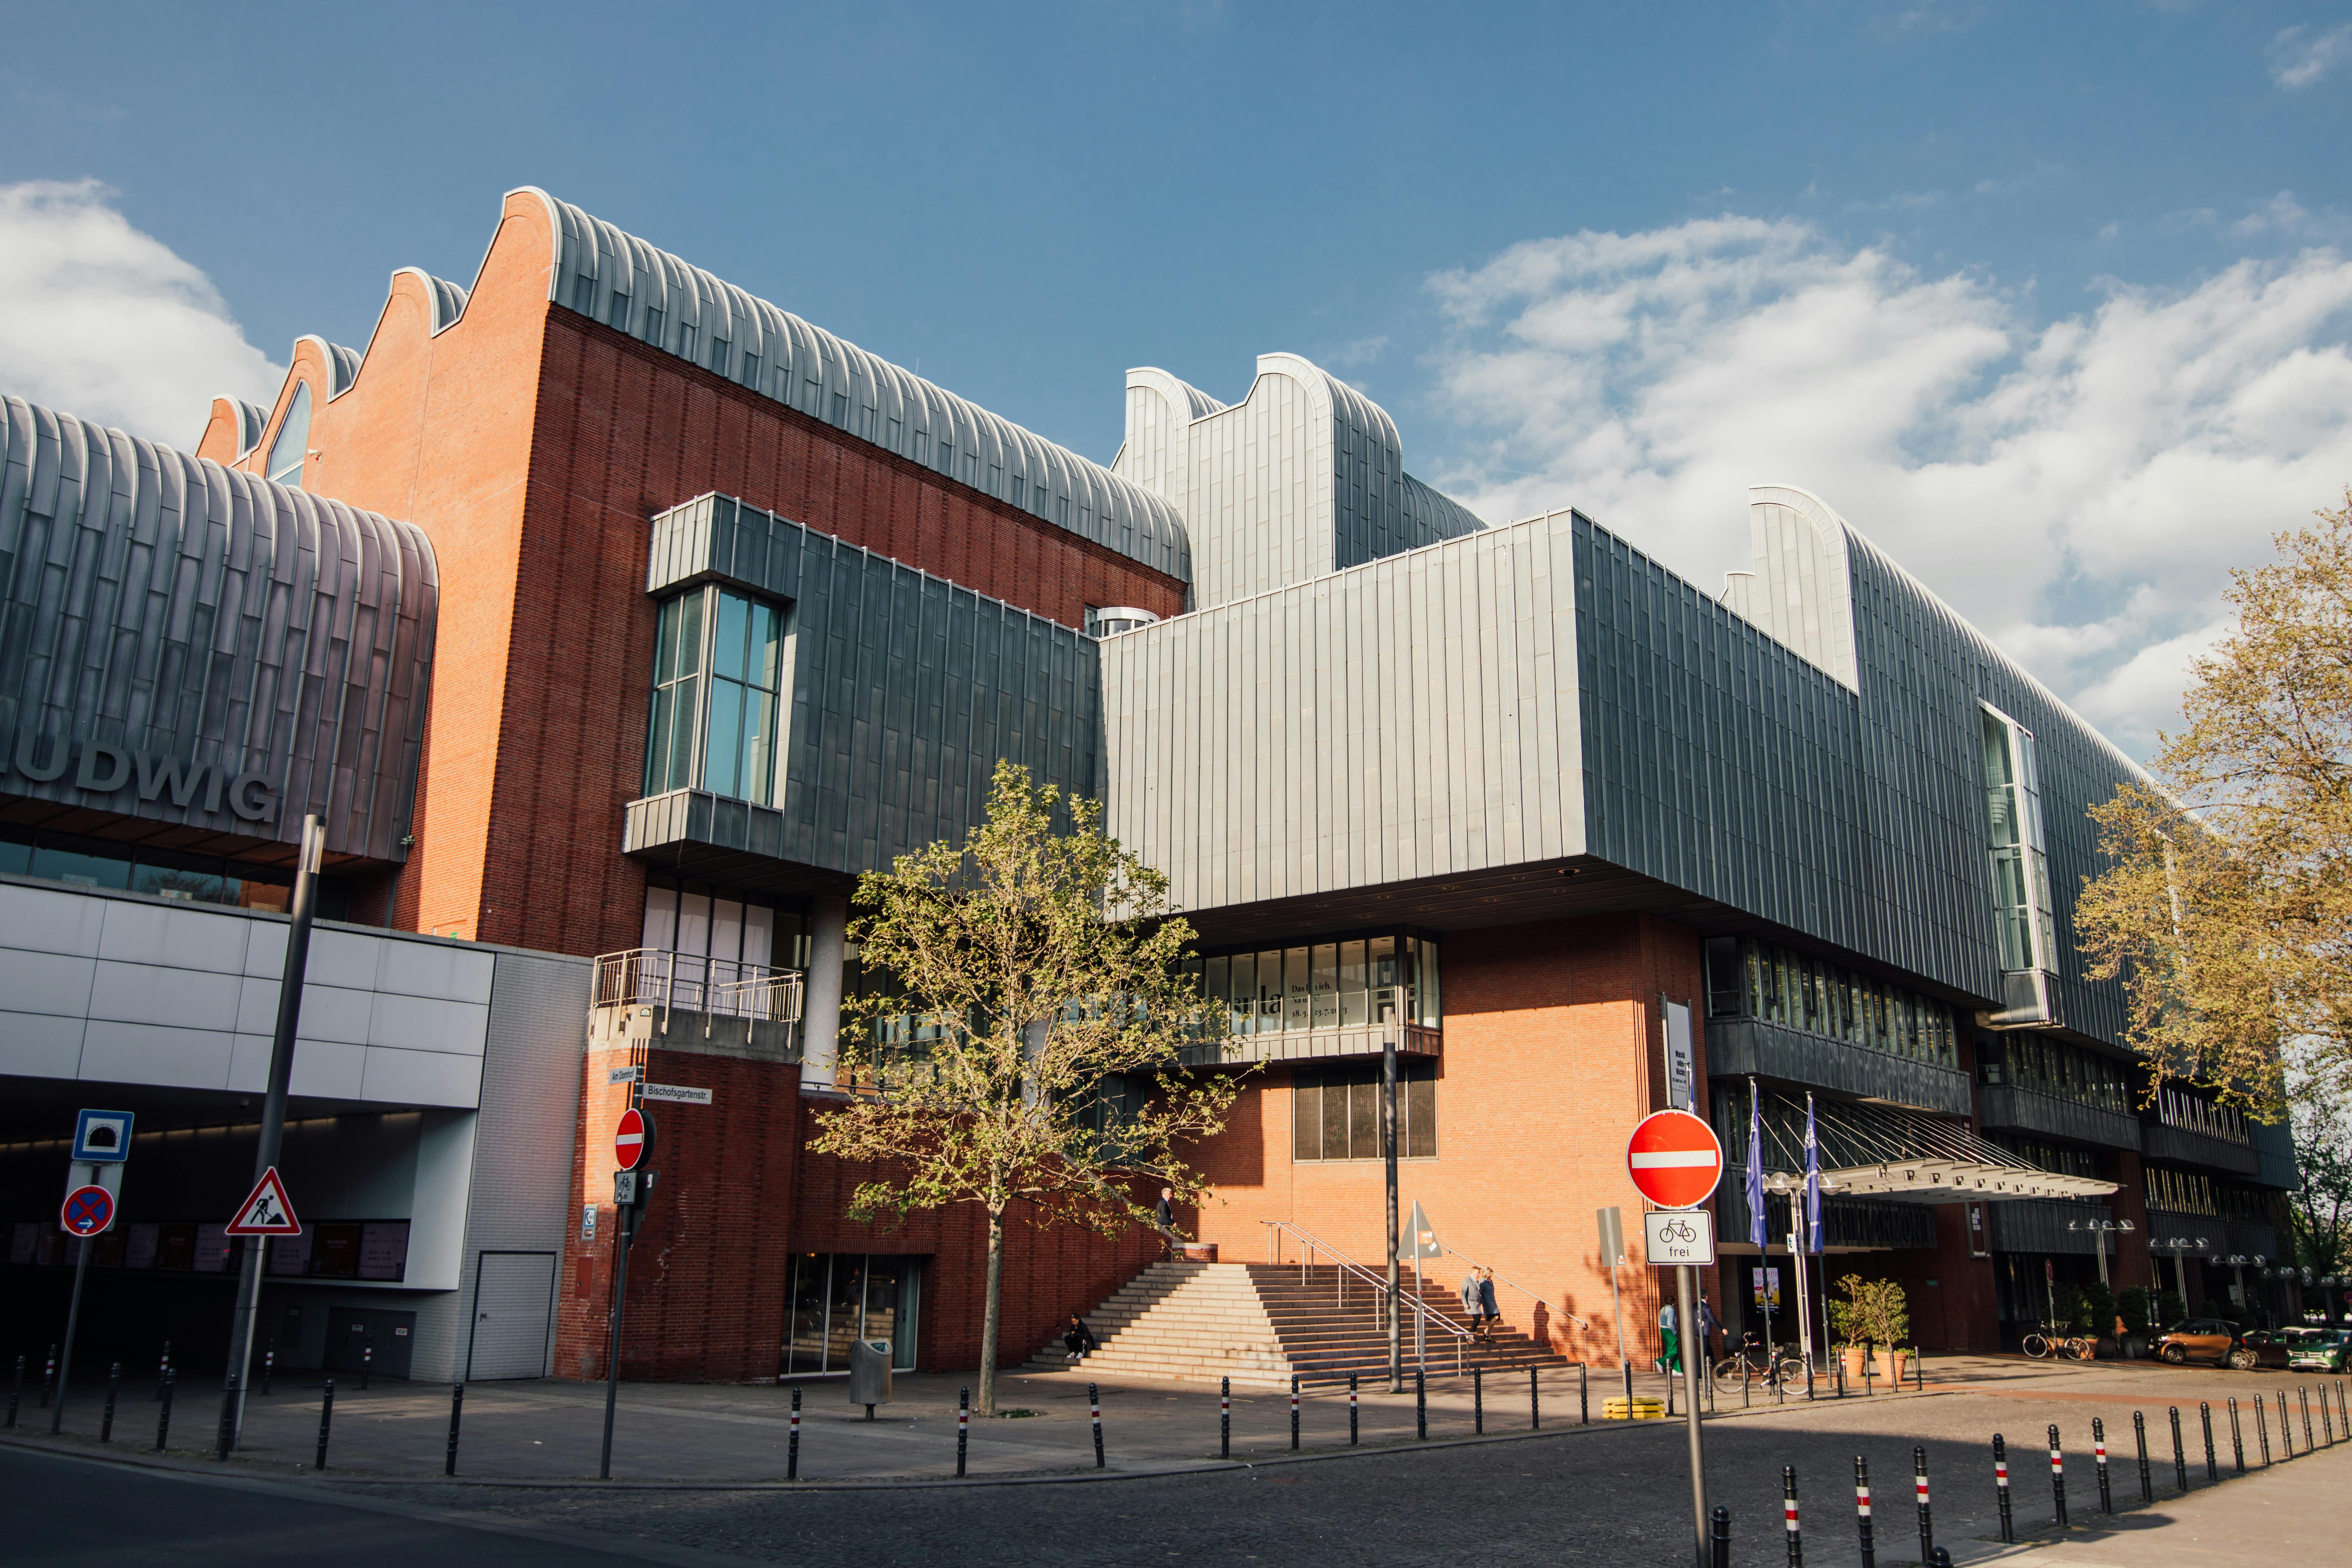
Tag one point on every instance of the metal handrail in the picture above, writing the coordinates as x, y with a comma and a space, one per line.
1344, 1266
697, 984
1515, 1285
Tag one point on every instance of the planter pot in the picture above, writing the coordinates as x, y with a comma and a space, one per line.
2135, 1348
1892, 1365
1853, 1356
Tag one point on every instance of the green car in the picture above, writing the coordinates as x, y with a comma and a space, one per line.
2319, 1350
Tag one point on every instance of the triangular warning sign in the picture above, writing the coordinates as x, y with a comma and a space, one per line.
267, 1211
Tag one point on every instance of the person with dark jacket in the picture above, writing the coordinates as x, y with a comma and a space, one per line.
1487, 1307
1079, 1340
1163, 1215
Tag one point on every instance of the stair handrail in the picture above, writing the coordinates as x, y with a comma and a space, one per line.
1539, 1300
1347, 1266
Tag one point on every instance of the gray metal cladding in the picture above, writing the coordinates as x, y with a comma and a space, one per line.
162, 605
628, 285
903, 688
1409, 718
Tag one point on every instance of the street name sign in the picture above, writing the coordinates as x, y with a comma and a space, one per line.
677, 1093
1675, 1159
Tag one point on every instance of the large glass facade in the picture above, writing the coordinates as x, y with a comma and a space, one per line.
2021, 864
839, 1298
718, 667
1325, 985
1746, 978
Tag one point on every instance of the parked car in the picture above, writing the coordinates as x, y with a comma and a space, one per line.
2320, 1350
2258, 1347
2197, 1339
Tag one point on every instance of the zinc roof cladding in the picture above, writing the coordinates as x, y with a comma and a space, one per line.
164, 604
627, 284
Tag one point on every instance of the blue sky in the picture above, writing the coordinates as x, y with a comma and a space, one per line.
2051, 299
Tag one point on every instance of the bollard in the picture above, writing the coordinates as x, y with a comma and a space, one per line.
963, 1426
1926, 1519
1583, 1395
1478, 1403
1788, 1516
2001, 1487
163, 1369
2286, 1432
2213, 1466
1421, 1404
1942, 1559
2343, 1411
2057, 1480
2179, 1456
1293, 1411
49, 1376
269, 1363
226, 1436
457, 1408
1862, 1510
16, 1391
2099, 1453
792, 1441
1719, 1539
1351, 1410
1225, 1419
1919, 1370
2327, 1420
1094, 1411
367, 1360
2237, 1438
2302, 1398
163, 1413
2262, 1430
114, 1393
326, 1424
1535, 1402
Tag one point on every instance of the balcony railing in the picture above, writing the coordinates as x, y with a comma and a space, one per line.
685, 982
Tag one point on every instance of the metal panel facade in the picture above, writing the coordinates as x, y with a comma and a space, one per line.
162, 613
904, 688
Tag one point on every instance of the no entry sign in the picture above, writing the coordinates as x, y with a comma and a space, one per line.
1675, 1159
629, 1139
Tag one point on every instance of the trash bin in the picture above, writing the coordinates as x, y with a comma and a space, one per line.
869, 1373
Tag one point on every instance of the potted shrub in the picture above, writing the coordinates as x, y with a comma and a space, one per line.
2132, 1306
2099, 1316
1890, 1326
1846, 1327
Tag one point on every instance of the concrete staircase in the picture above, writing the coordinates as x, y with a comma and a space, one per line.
1259, 1324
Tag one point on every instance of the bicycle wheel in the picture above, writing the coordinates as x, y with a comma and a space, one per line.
2082, 1350
2035, 1346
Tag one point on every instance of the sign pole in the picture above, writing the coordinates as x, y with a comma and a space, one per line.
83, 1246
613, 1349
1686, 1294
1389, 1148
273, 1110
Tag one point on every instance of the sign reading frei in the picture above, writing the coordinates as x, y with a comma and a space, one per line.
1675, 1159
1679, 1236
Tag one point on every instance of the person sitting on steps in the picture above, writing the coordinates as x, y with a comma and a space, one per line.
1079, 1341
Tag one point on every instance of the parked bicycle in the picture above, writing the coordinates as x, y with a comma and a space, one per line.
2059, 1347
1751, 1363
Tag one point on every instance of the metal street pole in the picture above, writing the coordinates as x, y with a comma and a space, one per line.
85, 1245
612, 1348
1389, 1151
273, 1109
1686, 1292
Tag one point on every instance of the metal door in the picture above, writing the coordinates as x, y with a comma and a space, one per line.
514, 1299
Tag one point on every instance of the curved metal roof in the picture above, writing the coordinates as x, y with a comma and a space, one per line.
625, 283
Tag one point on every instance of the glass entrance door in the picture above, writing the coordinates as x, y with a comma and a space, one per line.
838, 1297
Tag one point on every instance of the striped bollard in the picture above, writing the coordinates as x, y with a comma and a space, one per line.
2057, 1480
2139, 1440
1927, 1517
2099, 1454
2179, 1455
963, 1426
2001, 1487
2262, 1429
2237, 1438
1351, 1410
1862, 1510
113, 1392
2212, 1465
49, 1376
162, 1370
1224, 1418
326, 1424
270, 1364
1093, 1413
163, 1412
1294, 1412
1788, 1516
792, 1441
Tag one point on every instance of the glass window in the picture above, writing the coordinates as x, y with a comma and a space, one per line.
1386, 979
1353, 993
1295, 991
1243, 997
731, 708
1336, 1112
288, 453
1324, 972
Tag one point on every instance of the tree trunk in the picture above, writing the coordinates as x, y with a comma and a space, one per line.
993, 1313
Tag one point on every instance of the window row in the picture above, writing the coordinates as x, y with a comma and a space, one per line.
2192, 1112
2021, 865
1324, 985
2053, 1066
2192, 1191
1334, 1113
2047, 1156
1752, 978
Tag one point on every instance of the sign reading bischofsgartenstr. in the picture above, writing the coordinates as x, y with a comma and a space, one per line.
677, 1093
266, 1210
1678, 1236
1675, 1159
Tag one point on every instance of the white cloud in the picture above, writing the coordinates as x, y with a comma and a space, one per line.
106, 322
2078, 488
2300, 57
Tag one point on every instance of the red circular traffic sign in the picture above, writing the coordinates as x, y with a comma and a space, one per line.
87, 1210
629, 1139
1675, 1159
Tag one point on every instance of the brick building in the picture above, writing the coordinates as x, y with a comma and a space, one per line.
729, 610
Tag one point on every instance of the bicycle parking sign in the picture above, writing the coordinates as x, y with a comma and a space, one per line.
1677, 1237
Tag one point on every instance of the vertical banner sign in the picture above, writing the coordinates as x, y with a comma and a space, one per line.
1681, 1075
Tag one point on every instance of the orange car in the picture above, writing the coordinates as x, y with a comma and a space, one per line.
2197, 1339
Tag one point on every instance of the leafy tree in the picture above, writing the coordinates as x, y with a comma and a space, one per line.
2321, 1211
1022, 1052
2227, 906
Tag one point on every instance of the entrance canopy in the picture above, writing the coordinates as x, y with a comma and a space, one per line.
1884, 1151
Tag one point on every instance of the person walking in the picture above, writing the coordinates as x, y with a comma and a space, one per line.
1163, 1215
1486, 1303
1710, 1326
1669, 1342
1471, 1308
